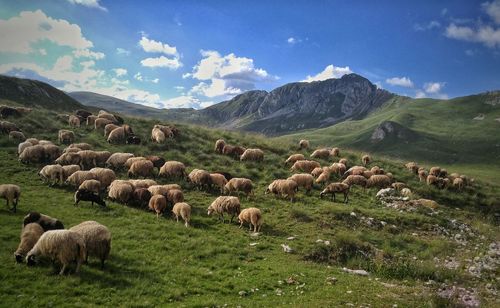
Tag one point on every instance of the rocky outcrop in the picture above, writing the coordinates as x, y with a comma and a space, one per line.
391, 130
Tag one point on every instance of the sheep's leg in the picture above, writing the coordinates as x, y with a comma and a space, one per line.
63, 269
334, 198
102, 263
177, 218
241, 224
78, 264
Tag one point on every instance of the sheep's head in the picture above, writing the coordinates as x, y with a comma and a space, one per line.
322, 193
19, 257
30, 259
210, 210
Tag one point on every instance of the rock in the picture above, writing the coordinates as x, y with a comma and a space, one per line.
242, 293
353, 214
331, 280
290, 238
253, 244
287, 248
356, 272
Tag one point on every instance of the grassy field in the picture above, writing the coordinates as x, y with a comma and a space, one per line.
160, 262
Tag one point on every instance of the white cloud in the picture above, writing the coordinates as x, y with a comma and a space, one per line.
156, 80
122, 51
428, 26
378, 84
433, 87
157, 47
179, 88
42, 51
86, 53
89, 3
486, 35
400, 81
329, 72
138, 76
162, 61
431, 90
293, 40
493, 10
420, 94
120, 72
186, 101
217, 87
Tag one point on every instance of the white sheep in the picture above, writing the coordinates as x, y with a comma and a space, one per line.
29, 236
184, 210
253, 216
11, 194
97, 239
54, 173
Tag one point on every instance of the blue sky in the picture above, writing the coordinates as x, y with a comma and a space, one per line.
197, 53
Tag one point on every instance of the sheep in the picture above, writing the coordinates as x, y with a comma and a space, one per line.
338, 168
6, 111
16, 135
100, 123
336, 188
141, 197
184, 210
218, 180
71, 150
109, 128
406, 192
145, 183
97, 238
435, 171
293, 158
66, 136
377, 170
29, 236
64, 246
118, 135
321, 153
69, 158
45, 142
398, 186
303, 144
88, 195
316, 172
355, 180
74, 121
283, 188
81, 146
379, 180
69, 170
200, 178
88, 159
117, 160
432, 180
46, 222
304, 165
412, 166
158, 204
102, 157
133, 139
453, 176
367, 174
157, 135
239, 184
158, 190
335, 152
7, 127
458, 183
78, 177
142, 168
52, 152
84, 114
303, 180
32, 154
227, 175
443, 183
366, 159
91, 185
422, 175
443, 173
253, 216
108, 116
234, 151
157, 161
324, 176
252, 155
172, 169
166, 130
54, 173
356, 170
343, 161
219, 145
132, 160
23, 145
11, 194
174, 196
225, 204
121, 191
104, 175
91, 120
33, 141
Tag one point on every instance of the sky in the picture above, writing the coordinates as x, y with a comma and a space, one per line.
192, 54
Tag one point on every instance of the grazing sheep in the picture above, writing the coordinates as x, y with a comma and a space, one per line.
324, 176
157, 161
356, 170
64, 246
367, 174
316, 172
74, 121
66, 136
305, 166
321, 153
157, 136
218, 180
133, 139
132, 160
158, 190
432, 180
443, 173
184, 210
422, 175
377, 170
88, 159
97, 239
443, 183
379, 180
366, 159
141, 197
23, 145
253, 216
282, 188
144, 183
54, 173
166, 130
435, 171
117, 160
303, 180
91, 120
453, 176
239, 184
227, 175
81, 146
52, 152
335, 152
303, 144
252, 155
33, 141
219, 145
293, 158
398, 186
84, 114
15, 135
234, 151
29, 236
120, 134
32, 154
343, 161
174, 196
69, 170
102, 157
412, 166
355, 180
108, 116
121, 191
100, 123
91, 185
104, 175
78, 177
406, 192
109, 128
142, 168
158, 204
338, 169
46, 222
225, 204
88, 195
11, 194
336, 188
200, 178
7, 127
6, 111
458, 184
172, 169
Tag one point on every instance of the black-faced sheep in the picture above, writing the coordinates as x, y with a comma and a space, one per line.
252, 155
158, 204
172, 169
66, 136
29, 236
11, 194
142, 168
183, 210
303, 144
87, 195
84, 114
225, 204
303, 180
252, 216
97, 239
336, 188
283, 188
54, 173
293, 158
219, 145
46, 222
239, 184
117, 160
304, 165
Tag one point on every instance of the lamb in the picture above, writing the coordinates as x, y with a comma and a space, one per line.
81, 146
239, 184
157, 135
219, 145
321, 153
78, 177
97, 239
338, 168
64, 246
293, 158
100, 123
253, 216
336, 188
184, 210
458, 183
121, 191
22, 146
46, 222
303, 144
66, 136
91, 185
225, 204
304, 165
335, 152
422, 175
104, 175
432, 180
88, 159
200, 178
16, 135
157, 161
141, 197
412, 166
379, 180
172, 169
174, 196
158, 204
74, 121
398, 186
120, 134
283, 188
102, 157
303, 180
435, 171
252, 155
11, 194
316, 172
54, 173
356, 180
117, 160
109, 128
29, 236
88, 195
69, 170
218, 180
32, 154
142, 168
366, 159
91, 120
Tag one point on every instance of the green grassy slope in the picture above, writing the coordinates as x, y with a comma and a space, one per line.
160, 262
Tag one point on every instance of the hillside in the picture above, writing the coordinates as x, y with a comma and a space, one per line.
414, 256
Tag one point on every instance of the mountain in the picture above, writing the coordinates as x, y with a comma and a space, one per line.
33, 93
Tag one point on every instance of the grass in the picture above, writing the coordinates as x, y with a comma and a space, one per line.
160, 262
